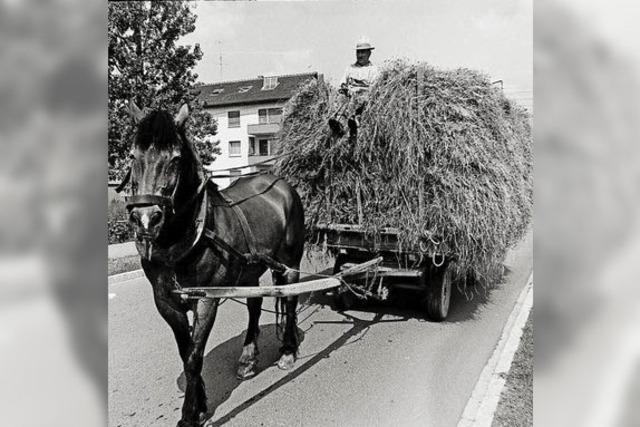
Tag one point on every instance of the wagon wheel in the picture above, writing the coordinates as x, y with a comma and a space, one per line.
343, 299
437, 282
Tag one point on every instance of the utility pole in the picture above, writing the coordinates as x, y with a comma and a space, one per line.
220, 57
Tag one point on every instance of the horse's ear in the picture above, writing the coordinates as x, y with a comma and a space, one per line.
182, 115
136, 114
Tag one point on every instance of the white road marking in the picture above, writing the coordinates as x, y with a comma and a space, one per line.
484, 400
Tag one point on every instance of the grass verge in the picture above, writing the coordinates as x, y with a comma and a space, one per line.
124, 264
516, 401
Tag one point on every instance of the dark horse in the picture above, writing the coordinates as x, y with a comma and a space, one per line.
170, 206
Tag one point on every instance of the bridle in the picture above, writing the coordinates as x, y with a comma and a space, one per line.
141, 200
167, 202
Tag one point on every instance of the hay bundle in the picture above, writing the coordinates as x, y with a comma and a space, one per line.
441, 155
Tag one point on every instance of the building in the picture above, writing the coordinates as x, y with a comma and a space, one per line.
249, 114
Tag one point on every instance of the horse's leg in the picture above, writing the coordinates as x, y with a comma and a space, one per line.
249, 358
179, 324
289, 349
171, 312
195, 400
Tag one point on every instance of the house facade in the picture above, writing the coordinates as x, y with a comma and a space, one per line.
249, 115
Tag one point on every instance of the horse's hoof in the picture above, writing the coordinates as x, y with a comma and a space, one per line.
286, 362
202, 418
246, 371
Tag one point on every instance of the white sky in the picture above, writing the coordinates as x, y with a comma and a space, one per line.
257, 38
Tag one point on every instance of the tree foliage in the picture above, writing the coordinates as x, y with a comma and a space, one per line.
146, 64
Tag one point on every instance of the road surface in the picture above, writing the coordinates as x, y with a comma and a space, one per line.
371, 366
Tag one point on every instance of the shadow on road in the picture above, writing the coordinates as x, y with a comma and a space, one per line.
464, 304
226, 376
221, 362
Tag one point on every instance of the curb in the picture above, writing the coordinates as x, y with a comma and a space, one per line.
123, 277
484, 399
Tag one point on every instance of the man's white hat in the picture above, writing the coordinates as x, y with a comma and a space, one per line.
364, 44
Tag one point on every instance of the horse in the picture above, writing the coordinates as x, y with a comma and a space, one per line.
171, 203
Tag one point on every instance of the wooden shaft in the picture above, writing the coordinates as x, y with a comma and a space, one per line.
359, 268
275, 291
260, 291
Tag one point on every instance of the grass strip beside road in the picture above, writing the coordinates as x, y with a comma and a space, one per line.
123, 265
516, 400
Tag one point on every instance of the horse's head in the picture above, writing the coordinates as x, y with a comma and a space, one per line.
164, 173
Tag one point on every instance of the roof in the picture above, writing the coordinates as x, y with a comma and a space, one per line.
251, 91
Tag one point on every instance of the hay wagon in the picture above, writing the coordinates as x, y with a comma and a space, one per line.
428, 274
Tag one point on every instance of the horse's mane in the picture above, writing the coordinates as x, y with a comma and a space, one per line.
157, 129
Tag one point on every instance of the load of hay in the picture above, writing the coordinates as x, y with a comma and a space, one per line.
443, 156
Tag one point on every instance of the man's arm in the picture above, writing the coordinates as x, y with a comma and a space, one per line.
373, 74
344, 82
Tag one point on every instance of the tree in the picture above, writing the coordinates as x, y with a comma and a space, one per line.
147, 65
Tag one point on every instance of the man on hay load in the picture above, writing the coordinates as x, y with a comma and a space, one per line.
354, 90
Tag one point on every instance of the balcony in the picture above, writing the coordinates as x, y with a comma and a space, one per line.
258, 159
263, 129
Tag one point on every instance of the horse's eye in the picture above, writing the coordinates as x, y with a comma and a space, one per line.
174, 164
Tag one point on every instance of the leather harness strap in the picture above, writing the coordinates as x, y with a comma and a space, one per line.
230, 202
148, 200
246, 230
253, 257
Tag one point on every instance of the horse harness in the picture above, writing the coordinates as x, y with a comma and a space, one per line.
212, 238
253, 257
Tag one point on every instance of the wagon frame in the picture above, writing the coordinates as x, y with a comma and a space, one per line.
429, 273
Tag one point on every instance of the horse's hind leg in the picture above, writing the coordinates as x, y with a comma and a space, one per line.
289, 349
249, 358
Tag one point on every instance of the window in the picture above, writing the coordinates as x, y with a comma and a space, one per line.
244, 89
216, 91
252, 146
262, 116
275, 115
264, 147
234, 149
269, 115
234, 119
270, 83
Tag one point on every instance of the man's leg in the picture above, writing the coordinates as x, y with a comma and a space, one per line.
336, 121
359, 103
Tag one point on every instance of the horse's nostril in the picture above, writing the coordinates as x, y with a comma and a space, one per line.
134, 217
155, 218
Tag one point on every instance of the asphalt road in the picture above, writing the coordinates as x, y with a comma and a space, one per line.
376, 365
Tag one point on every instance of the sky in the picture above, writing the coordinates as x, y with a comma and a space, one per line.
264, 37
